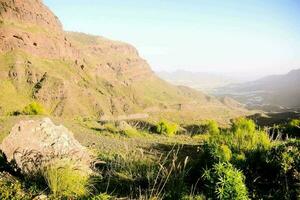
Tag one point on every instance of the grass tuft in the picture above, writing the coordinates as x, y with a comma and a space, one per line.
66, 179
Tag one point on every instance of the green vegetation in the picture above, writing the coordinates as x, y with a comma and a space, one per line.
11, 189
292, 128
34, 108
222, 165
167, 128
134, 175
65, 179
131, 132
226, 182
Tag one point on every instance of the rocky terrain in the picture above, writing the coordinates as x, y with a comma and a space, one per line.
75, 74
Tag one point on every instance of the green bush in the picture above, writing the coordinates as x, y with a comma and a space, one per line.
11, 189
216, 153
213, 128
244, 147
34, 108
244, 136
65, 179
293, 128
167, 128
210, 127
226, 182
284, 158
295, 123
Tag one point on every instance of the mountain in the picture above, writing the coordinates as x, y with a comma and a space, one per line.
75, 74
201, 81
271, 93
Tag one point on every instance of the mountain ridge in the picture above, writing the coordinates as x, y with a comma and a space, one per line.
76, 74
271, 93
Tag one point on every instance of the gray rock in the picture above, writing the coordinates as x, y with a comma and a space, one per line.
31, 144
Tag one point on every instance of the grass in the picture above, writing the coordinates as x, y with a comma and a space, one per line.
66, 179
153, 166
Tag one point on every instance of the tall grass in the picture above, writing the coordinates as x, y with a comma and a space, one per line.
65, 178
137, 176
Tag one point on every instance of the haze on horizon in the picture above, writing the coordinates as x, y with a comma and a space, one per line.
241, 38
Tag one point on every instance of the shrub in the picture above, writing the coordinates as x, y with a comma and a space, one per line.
34, 108
244, 136
65, 179
216, 153
167, 128
292, 128
295, 123
11, 189
285, 158
213, 128
210, 127
226, 182
243, 124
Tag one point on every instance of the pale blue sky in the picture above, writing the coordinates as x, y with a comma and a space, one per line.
252, 37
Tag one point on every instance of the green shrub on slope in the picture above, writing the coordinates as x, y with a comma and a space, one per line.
226, 182
167, 128
34, 108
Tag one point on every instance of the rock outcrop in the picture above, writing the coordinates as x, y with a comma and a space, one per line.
32, 144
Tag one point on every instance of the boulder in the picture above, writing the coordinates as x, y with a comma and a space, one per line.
32, 144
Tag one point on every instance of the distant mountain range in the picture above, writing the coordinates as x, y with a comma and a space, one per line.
271, 93
203, 81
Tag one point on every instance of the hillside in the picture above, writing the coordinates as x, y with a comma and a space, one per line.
75, 74
270, 93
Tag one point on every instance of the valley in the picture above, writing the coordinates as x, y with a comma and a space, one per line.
86, 117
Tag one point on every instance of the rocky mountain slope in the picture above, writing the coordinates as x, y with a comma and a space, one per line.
271, 93
74, 74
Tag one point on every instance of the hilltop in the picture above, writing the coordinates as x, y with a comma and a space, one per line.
75, 74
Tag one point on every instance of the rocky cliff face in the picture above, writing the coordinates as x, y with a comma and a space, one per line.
74, 74
30, 26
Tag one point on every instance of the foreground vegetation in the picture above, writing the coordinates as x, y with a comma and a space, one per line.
168, 161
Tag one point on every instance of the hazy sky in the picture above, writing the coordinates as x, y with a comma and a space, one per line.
249, 37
